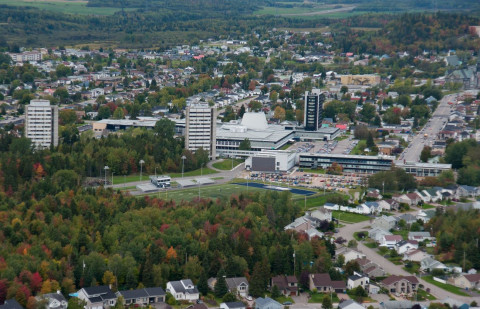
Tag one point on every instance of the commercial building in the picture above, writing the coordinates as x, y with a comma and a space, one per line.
349, 163
41, 123
367, 79
255, 128
200, 128
271, 161
313, 113
114, 125
420, 169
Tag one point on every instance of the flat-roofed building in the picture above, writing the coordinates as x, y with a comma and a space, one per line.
313, 113
349, 163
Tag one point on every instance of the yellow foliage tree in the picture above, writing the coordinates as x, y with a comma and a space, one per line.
171, 254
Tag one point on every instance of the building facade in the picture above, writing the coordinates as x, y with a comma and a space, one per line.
349, 163
200, 130
313, 113
41, 123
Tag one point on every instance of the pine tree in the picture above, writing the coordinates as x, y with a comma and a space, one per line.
221, 286
275, 292
257, 287
370, 142
203, 284
147, 273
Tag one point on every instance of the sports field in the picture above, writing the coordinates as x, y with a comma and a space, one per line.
212, 192
63, 6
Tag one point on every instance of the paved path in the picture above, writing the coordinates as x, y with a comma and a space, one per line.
347, 233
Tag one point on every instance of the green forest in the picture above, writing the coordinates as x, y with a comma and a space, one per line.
51, 227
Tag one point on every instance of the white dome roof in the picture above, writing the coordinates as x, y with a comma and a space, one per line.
255, 121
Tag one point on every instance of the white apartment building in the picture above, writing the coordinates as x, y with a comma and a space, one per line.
26, 56
41, 123
200, 128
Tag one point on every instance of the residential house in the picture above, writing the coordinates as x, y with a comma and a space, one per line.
467, 191
233, 305
288, 285
357, 280
267, 303
415, 199
428, 264
143, 297
321, 213
403, 199
370, 269
349, 254
426, 215
377, 234
53, 300
390, 241
11, 304
385, 223
415, 255
420, 236
324, 284
183, 290
406, 245
396, 304
350, 304
374, 193
97, 297
466, 281
408, 218
238, 286
299, 225
400, 284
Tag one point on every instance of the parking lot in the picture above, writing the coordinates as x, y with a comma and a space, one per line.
335, 147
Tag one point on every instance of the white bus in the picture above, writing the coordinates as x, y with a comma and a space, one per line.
161, 181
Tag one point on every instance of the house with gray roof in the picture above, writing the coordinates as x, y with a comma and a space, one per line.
97, 297
238, 286
233, 305
11, 304
428, 264
53, 300
267, 303
385, 223
350, 304
143, 297
377, 234
183, 290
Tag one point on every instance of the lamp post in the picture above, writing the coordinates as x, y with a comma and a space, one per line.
106, 169
183, 164
141, 168
155, 172
112, 176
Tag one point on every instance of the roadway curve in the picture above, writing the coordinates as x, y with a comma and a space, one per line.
347, 233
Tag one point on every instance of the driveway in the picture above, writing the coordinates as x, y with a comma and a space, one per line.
347, 233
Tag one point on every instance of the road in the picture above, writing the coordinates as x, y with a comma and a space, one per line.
433, 126
347, 233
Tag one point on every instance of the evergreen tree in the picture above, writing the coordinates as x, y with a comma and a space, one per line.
276, 292
257, 287
147, 272
221, 287
327, 302
370, 141
203, 284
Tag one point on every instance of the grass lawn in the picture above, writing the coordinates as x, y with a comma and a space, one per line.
285, 147
283, 299
371, 245
204, 171
396, 260
349, 216
318, 298
315, 201
427, 206
226, 164
313, 171
414, 267
212, 192
65, 6
403, 233
447, 287
423, 295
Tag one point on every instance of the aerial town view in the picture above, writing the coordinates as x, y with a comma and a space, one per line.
239, 154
